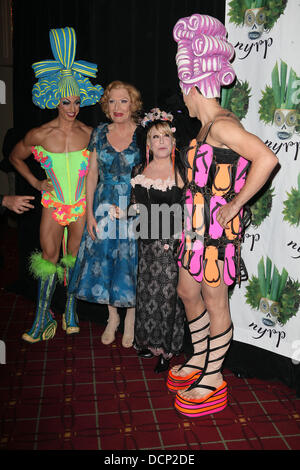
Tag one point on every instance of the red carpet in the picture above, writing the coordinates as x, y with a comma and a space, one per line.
75, 393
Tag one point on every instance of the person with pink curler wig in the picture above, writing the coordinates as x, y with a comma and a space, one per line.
241, 164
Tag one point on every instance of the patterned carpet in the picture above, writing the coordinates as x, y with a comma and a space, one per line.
73, 393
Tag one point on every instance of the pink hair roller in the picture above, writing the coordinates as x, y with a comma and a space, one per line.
186, 28
203, 55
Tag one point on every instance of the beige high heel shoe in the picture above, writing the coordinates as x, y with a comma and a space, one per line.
128, 336
109, 333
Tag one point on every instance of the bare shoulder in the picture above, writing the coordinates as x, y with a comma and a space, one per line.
227, 127
229, 132
228, 120
37, 135
84, 128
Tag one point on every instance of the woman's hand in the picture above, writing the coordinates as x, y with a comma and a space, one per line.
92, 226
116, 213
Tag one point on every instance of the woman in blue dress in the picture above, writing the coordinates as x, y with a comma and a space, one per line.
106, 265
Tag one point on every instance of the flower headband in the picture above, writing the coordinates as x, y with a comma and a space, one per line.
157, 115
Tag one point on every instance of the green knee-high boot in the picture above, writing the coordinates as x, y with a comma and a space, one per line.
70, 322
44, 326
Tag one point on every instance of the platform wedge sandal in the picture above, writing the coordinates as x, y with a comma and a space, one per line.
216, 398
199, 328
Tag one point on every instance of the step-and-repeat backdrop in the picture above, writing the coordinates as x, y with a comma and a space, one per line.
266, 97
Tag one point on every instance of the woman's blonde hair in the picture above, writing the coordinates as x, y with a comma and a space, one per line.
163, 127
135, 98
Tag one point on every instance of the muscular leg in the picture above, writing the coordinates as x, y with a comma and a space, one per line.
51, 234
216, 303
70, 321
189, 291
75, 231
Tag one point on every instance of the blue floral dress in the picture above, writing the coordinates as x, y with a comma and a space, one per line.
105, 269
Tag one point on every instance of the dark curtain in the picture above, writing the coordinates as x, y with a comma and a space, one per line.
130, 40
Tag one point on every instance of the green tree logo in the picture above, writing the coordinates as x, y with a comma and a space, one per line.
261, 206
291, 209
236, 98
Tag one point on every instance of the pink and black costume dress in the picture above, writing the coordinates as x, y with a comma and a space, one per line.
215, 175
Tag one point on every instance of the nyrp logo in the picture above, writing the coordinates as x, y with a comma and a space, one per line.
257, 18
280, 108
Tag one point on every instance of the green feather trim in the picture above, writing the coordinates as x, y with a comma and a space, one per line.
68, 261
60, 273
41, 268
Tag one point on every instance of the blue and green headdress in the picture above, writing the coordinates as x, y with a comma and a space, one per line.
64, 77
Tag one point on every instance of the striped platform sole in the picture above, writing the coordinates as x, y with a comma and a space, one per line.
212, 403
175, 382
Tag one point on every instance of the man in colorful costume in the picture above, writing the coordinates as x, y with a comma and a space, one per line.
60, 147
219, 185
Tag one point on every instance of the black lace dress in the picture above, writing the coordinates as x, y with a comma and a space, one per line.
160, 315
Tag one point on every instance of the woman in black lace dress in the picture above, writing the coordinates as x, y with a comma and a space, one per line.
157, 188
156, 196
